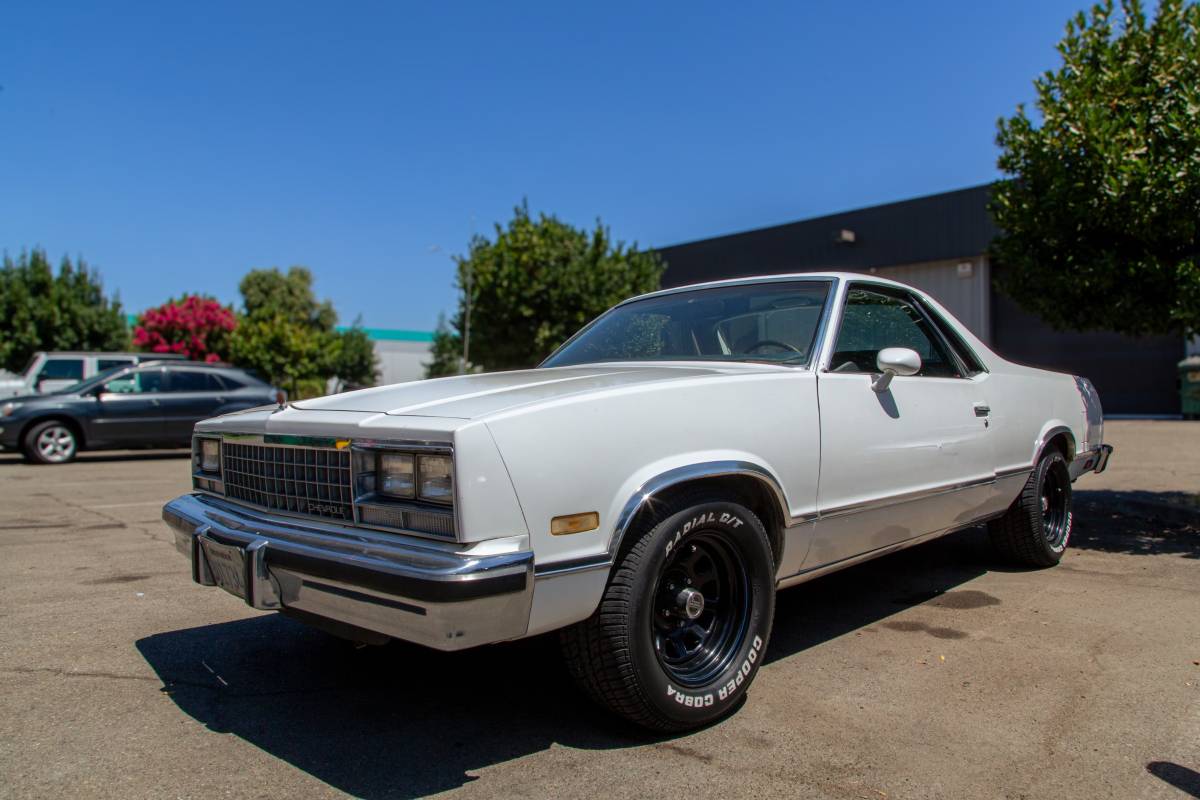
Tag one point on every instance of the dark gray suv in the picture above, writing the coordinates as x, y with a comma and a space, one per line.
154, 404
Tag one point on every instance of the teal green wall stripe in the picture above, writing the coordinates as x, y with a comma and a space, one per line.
376, 334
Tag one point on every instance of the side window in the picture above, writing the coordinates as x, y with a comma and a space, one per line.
108, 363
965, 354
194, 381
872, 321
62, 369
149, 380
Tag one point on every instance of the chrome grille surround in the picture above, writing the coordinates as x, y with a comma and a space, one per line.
319, 477
314, 481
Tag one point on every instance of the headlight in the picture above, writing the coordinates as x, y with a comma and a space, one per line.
210, 455
396, 475
437, 478
8, 408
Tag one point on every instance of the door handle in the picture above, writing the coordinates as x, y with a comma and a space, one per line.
982, 410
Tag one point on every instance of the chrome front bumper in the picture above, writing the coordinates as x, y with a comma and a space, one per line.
390, 585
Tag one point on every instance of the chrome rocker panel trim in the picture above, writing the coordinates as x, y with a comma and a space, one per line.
395, 586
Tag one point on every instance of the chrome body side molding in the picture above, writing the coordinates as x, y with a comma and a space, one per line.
899, 499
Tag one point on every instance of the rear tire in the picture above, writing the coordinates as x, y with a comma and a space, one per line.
684, 623
50, 442
1036, 529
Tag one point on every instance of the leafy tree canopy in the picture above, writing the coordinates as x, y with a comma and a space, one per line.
268, 293
354, 359
41, 310
288, 336
446, 351
195, 326
533, 286
1101, 214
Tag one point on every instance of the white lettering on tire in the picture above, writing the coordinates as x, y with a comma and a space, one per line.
732, 520
726, 691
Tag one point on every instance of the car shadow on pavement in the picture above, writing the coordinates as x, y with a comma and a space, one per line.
396, 721
852, 599
1184, 779
403, 721
1137, 522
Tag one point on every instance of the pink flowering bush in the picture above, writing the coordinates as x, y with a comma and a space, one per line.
193, 326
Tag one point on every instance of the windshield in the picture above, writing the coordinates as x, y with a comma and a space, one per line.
774, 322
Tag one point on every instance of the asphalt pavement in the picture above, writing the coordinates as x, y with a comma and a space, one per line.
933, 673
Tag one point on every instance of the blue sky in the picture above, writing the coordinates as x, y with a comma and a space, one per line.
175, 146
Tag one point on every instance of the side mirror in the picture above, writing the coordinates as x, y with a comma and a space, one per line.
893, 361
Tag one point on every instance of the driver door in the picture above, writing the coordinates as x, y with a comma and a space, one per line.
129, 409
910, 460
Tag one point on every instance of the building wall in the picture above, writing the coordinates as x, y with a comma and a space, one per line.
964, 292
401, 361
1132, 375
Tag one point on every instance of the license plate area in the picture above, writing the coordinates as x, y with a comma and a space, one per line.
226, 565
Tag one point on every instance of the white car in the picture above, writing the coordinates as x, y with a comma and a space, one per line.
648, 488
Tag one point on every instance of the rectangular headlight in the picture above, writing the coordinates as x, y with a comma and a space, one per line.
210, 455
396, 476
437, 479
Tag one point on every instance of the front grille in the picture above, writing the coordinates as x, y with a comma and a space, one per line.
303, 480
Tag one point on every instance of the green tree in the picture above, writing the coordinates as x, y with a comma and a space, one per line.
354, 360
294, 357
41, 310
288, 336
446, 351
271, 292
531, 288
1100, 216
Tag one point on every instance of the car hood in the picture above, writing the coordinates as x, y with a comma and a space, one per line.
472, 396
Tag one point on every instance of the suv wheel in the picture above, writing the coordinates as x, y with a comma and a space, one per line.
684, 623
51, 442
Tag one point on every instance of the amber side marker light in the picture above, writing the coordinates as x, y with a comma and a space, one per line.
574, 523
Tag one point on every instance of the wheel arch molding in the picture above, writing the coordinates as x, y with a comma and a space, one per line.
741, 481
1051, 437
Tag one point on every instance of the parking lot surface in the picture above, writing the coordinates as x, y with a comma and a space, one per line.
934, 673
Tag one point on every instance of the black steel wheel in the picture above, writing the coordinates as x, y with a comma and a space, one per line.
1036, 529
684, 622
1056, 505
702, 609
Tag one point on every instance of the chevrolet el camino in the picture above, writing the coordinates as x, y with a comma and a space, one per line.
648, 488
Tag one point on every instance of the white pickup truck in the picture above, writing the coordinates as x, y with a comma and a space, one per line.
649, 487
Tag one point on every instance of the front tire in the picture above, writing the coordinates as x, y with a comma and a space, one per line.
1036, 529
684, 623
50, 442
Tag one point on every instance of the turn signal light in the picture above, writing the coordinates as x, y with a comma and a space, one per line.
574, 523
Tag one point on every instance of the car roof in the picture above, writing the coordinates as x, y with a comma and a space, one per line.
104, 354
775, 278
